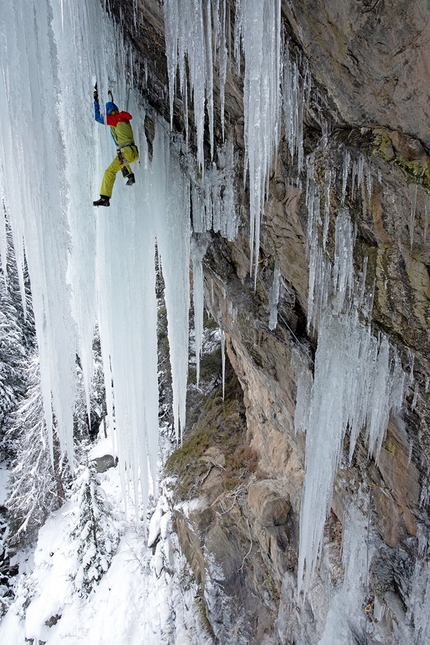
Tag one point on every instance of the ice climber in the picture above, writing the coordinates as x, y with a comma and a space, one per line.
127, 151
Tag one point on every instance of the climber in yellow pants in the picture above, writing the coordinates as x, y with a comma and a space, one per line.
127, 151
125, 156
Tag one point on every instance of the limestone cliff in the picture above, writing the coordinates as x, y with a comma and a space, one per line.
369, 64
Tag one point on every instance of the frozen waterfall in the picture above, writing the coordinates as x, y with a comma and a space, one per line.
89, 265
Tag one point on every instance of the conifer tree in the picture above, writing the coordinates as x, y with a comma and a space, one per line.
17, 342
36, 482
94, 529
12, 359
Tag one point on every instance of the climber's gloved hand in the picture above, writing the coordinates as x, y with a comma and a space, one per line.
96, 94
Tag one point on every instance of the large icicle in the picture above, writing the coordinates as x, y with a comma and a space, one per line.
34, 185
258, 25
358, 381
274, 297
171, 211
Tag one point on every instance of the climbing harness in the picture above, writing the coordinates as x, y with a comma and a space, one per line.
129, 144
121, 158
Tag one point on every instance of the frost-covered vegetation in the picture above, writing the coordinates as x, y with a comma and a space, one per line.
93, 530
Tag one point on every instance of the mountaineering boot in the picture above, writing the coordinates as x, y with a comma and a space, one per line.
130, 180
103, 201
124, 172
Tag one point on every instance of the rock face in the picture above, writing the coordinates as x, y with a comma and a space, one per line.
370, 68
371, 57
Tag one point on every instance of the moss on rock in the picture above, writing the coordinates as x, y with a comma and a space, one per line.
405, 153
221, 424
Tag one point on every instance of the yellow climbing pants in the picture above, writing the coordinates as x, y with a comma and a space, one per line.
128, 154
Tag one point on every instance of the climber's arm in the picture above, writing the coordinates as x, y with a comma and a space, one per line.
97, 114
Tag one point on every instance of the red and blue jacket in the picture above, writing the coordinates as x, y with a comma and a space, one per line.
119, 124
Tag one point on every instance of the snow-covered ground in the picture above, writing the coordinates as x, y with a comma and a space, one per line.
147, 596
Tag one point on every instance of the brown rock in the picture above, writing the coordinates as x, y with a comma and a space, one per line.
268, 505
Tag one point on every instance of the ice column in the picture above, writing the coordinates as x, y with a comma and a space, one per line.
128, 320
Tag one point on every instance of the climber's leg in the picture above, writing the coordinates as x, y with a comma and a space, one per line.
109, 177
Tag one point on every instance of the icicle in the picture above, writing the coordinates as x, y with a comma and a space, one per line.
274, 298
343, 270
223, 58
80, 260
207, 21
426, 215
189, 38
214, 200
359, 170
294, 98
415, 398
413, 189
369, 187
345, 172
361, 300
33, 171
327, 191
198, 249
223, 362
301, 365
353, 387
345, 617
